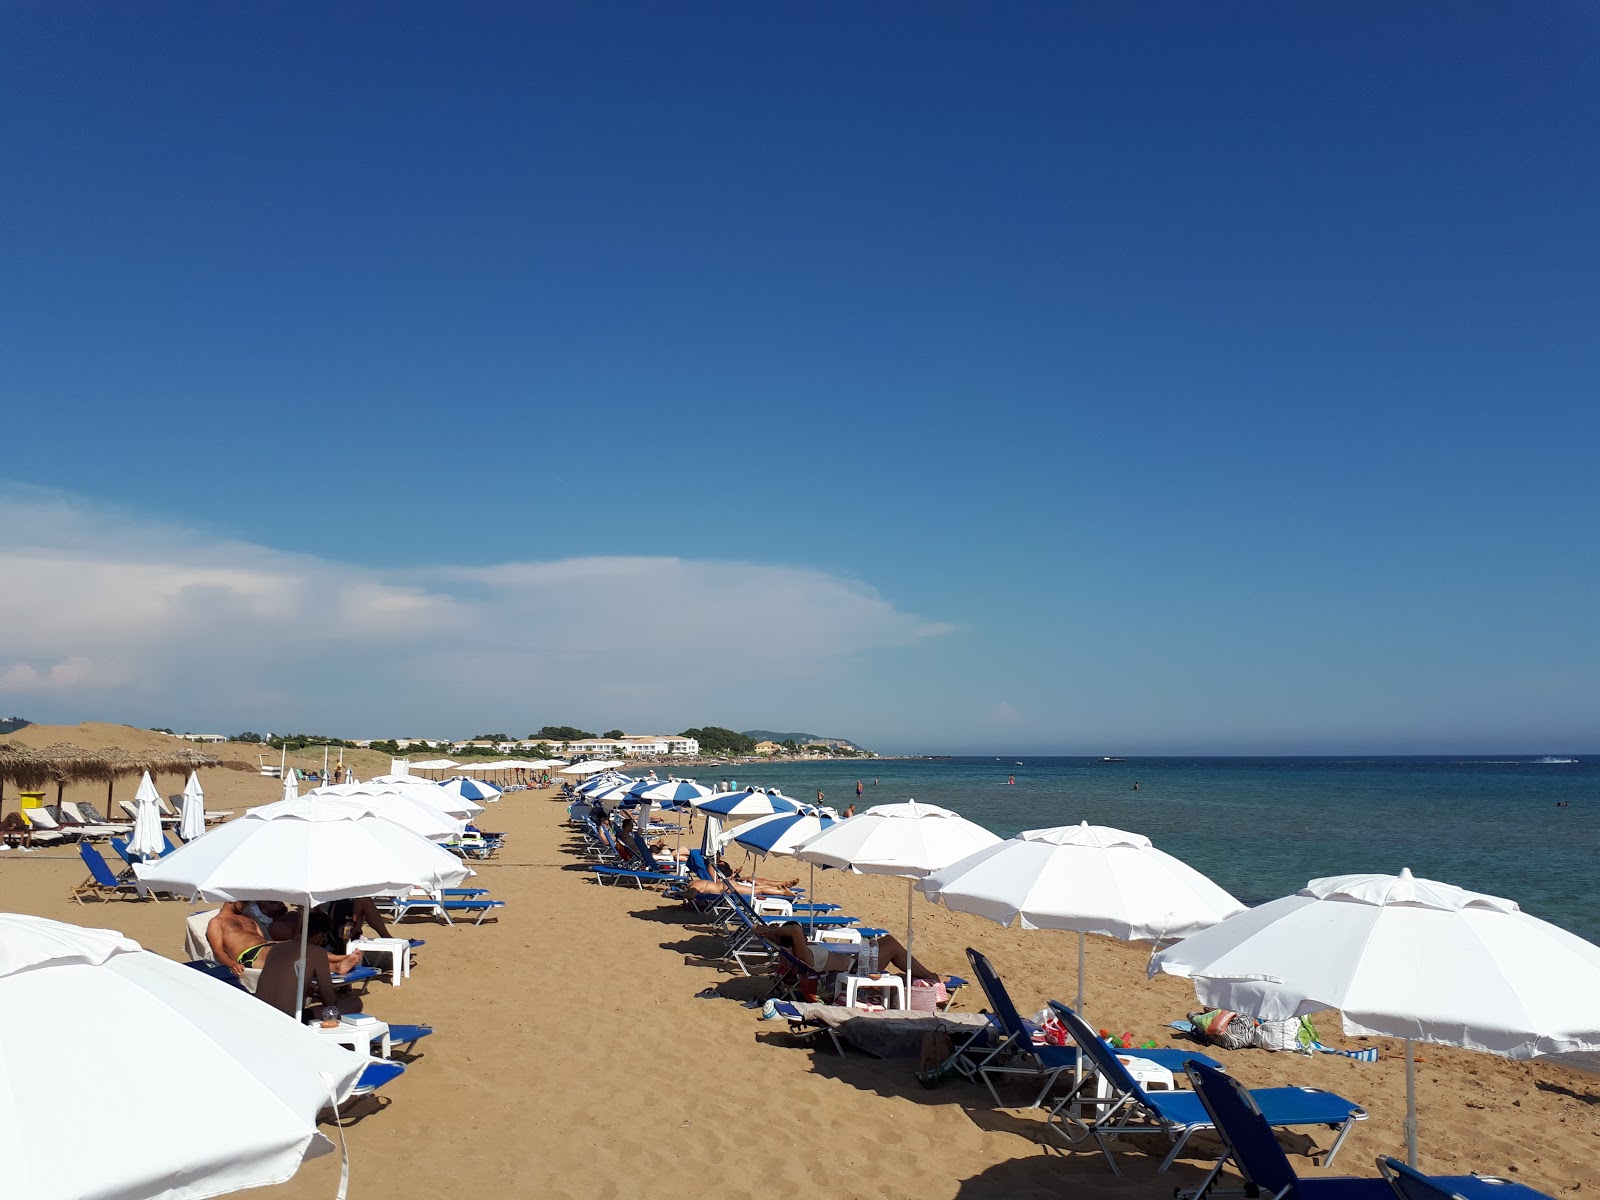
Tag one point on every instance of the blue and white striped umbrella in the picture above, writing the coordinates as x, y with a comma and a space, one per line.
746, 804
681, 791
471, 789
780, 833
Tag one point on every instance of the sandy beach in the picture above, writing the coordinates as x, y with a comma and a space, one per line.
574, 1057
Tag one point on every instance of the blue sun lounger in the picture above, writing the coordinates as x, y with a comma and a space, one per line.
1411, 1184
1015, 1052
1251, 1145
1179, 1115
443, 908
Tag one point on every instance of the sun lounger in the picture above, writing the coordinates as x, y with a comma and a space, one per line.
376, 1073
1408, 1183
408, 1036
131, 811
1251, 1145
1016, 1055
44, 829
73, 816
102, 884
1178, 1115
398, 908
605, 874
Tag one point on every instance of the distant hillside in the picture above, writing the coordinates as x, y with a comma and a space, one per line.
769, 735
12, 724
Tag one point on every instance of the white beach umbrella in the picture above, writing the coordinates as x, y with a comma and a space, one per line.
192, 816
146, 840
1405, 958
266, 1077
420, 818
1086, 879
910, 840
305, 851
589, 768
291, 785
308, 850
419, 790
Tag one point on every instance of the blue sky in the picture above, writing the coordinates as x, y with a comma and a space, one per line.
1100, 378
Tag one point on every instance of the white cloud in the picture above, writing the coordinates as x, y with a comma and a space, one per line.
107, 611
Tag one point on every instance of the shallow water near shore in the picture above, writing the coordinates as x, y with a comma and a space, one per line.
1262, 827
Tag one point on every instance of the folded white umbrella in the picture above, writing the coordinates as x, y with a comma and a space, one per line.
910, 840
192, 816
1405, 958
248, 1080
291, 785
420, 818
146, 840
1086, 879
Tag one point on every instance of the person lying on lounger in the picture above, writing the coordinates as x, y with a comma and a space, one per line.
277, 986
891, 953
349, 918
236, 939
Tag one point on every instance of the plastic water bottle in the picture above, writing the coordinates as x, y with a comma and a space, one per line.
867, 959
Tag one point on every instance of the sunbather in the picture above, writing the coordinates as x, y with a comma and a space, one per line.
236, 940
14, 831
339, 963
349, 918
277, 986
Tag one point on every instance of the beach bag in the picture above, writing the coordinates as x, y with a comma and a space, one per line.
936, 1064
927, 995
1220, 1027
1292, 1033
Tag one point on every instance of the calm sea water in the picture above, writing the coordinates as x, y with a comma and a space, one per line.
1261, 827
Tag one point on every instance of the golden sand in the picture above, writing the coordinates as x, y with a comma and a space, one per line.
573, 1058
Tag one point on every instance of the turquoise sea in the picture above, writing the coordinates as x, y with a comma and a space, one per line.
1261, 827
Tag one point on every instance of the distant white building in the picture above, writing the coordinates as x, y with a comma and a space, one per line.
208, 738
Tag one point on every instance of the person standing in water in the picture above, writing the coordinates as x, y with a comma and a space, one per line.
1010, 780
858, 789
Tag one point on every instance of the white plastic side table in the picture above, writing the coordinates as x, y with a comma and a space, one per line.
398, 950
885, 983
358, 1037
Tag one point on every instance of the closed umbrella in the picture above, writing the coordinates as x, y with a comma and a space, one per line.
1087, 879
910, 840
1405, 958
291, 785
266, 1077
192, 816
146, 840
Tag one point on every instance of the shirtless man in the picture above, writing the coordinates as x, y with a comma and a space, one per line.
235, 939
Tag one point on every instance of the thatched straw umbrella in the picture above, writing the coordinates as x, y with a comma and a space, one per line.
64, 763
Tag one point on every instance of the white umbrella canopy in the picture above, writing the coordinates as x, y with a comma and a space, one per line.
589, 768
146, 840
272, 1076
911, 840
464, 787
435, 764
419, 790
1406, 958
1085, 879
306, 851
420, 818
192, 816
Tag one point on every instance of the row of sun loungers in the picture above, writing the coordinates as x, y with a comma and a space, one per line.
1103, 1101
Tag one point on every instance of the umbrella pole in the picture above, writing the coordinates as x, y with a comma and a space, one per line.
911, 892
1081, 939
1411, 1106
300, 967
1077, 1063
